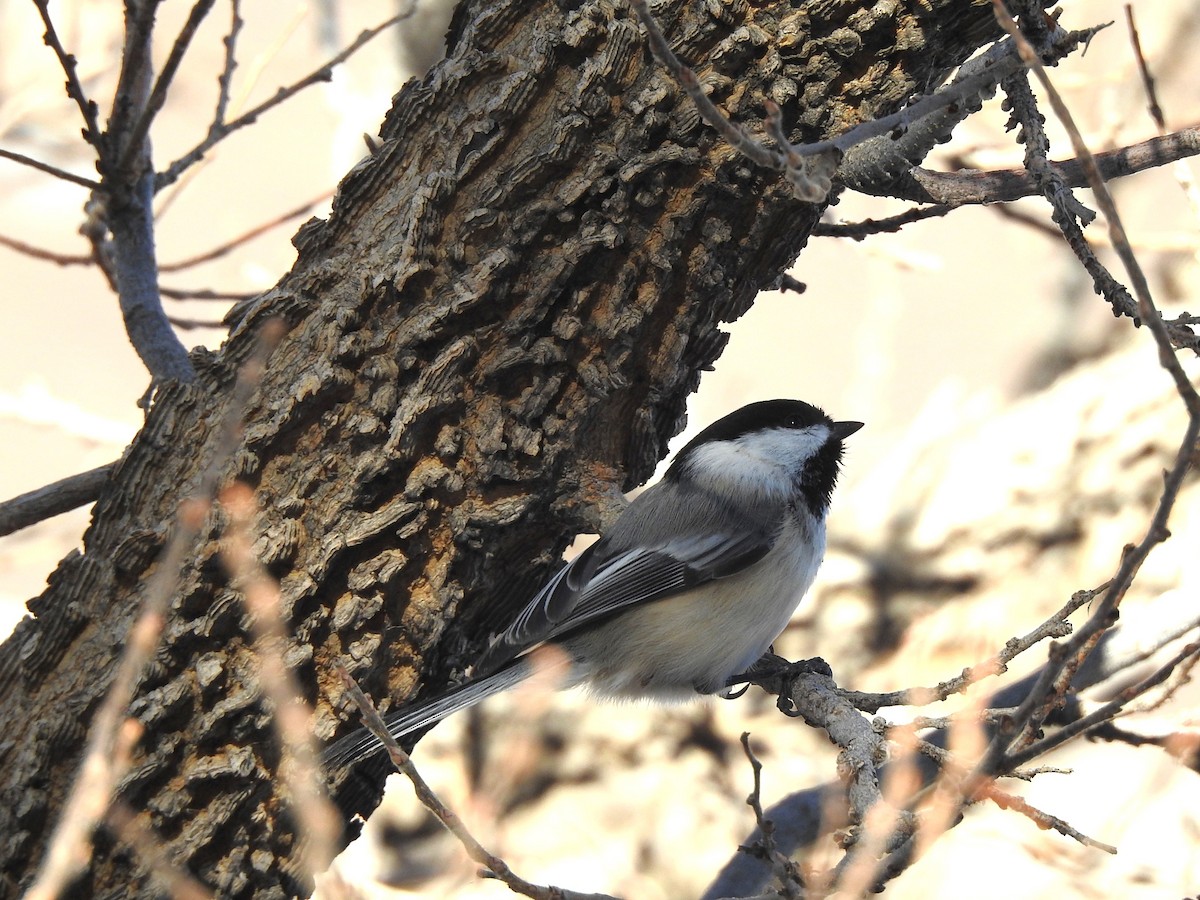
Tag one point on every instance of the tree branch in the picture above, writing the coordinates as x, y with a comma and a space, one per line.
233, 243
53, 499
87, 108
496, 867
219, 130
128, 170
62, 259
136, 136
1006, 185
798, 820
111, 735
49, 169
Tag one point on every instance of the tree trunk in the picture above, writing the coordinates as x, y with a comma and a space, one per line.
503, 316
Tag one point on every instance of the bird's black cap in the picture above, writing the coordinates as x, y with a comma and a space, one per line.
768, 414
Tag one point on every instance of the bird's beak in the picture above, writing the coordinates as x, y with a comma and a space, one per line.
843, 430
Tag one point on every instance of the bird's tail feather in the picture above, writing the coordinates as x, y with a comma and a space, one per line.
358, 746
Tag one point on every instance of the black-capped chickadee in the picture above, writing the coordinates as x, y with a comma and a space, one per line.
690, 585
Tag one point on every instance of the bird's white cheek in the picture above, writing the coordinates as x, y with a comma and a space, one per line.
760, 465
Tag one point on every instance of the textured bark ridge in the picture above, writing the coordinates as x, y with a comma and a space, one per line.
503, 315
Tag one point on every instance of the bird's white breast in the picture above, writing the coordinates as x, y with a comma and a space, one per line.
695, 642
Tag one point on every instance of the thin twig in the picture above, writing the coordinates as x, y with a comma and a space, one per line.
496, 867
319, 823
1183, 174
232, 244
1044, 820
860, 230
225, 79
89, 110
1152, 104
193, 324
158, 94
62, 259
1106, 712
49, 169
70, 844
1055, 626
205, 294
791, 883
218, 132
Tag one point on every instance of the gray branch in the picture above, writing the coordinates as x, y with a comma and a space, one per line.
128, 170
1124, 654
53, 499
962, 188
136, 266
882, 164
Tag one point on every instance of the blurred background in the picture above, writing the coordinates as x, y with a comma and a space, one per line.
1015, 437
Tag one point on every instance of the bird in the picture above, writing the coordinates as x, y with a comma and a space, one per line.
687, 589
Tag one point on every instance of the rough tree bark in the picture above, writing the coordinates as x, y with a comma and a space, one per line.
503, 315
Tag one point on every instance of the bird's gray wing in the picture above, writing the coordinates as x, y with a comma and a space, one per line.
614, 574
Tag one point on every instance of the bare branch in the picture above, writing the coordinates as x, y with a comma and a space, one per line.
232, 244
1107, 711
812, 695
1183, 173
62, 259
963, 188
1043, 820
1120, 240
496, 867
158, 95
859, 230
786, 872
138, 291
133, 82
225, 80
1076, 650
89, 110
49, 169
218, 131
129, 185
320, 825
1055, 626
810, 167
1153, 105
877, 164
53, 499
103, 765
798, 818
1069, 214
204, 294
